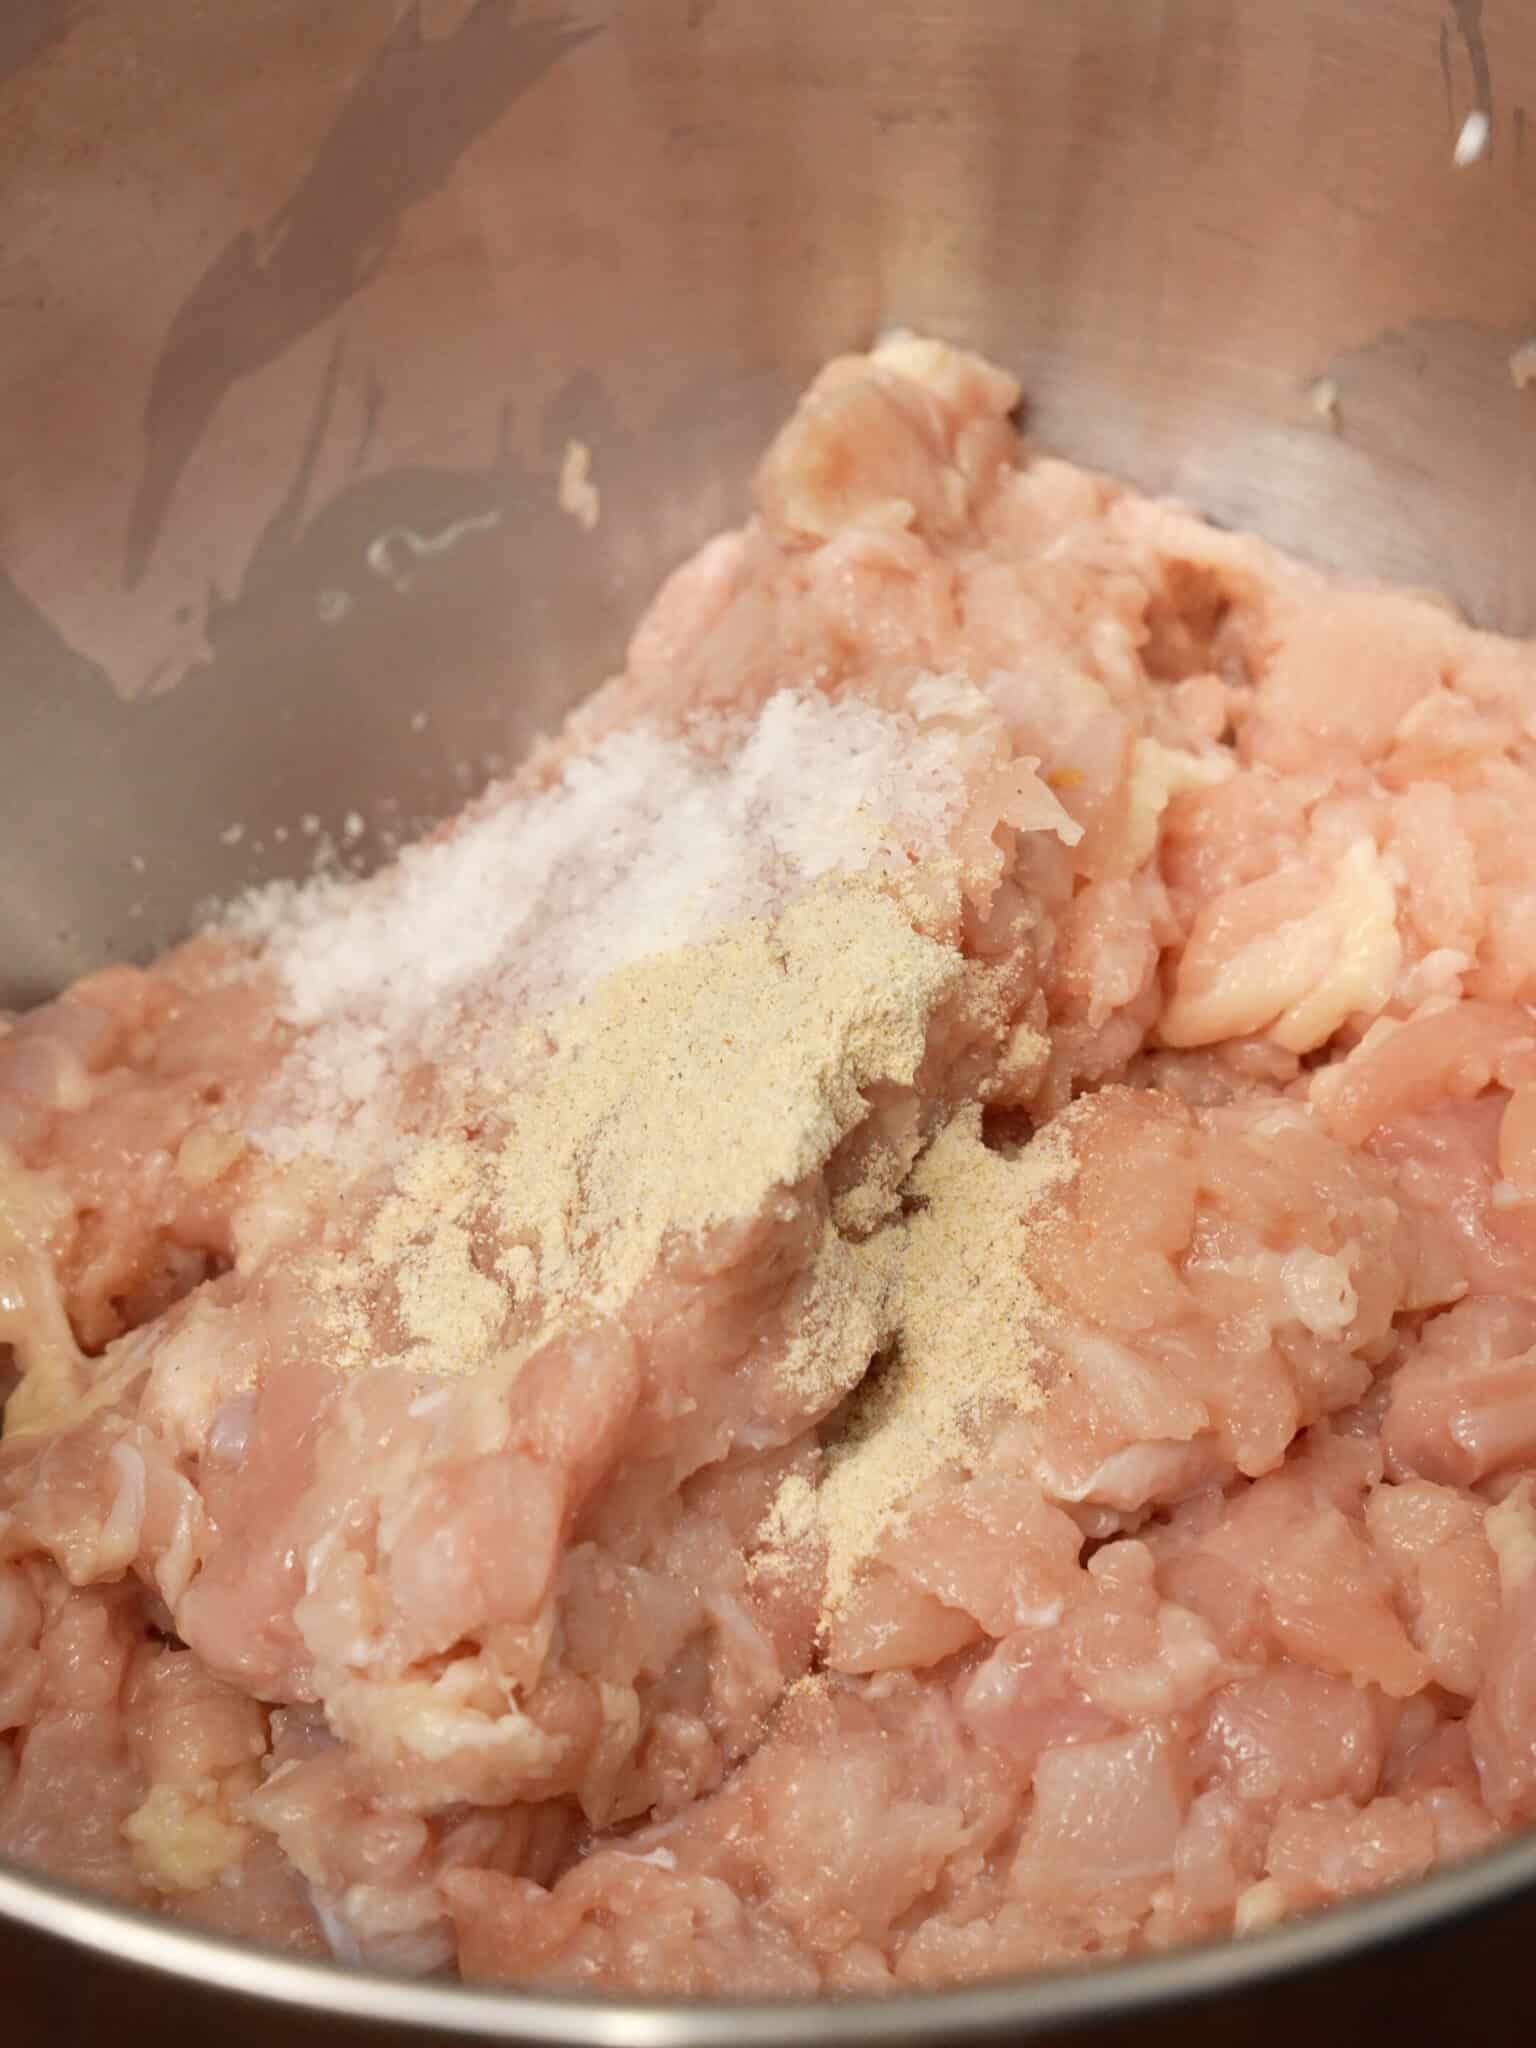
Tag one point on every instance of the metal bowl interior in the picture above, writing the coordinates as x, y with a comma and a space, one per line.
310, 306
1194, 1992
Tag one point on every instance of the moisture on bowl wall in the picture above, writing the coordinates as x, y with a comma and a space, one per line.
871, 1328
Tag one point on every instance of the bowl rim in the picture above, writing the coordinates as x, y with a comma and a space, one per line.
1014, 2007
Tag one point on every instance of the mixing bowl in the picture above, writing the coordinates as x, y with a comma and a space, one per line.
315, 319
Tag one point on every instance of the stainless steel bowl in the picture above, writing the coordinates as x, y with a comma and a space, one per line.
303, 307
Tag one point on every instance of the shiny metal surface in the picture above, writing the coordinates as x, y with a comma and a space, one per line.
302, 306
1292, 1973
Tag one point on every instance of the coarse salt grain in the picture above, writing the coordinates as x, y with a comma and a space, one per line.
646, 844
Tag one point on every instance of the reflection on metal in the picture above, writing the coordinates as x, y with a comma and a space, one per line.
390, 555
31, 27
28, 28
1285, 1984
408, 119
1472, 142
1469, 24
577, 495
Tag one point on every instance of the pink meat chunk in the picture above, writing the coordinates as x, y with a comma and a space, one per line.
405, 1556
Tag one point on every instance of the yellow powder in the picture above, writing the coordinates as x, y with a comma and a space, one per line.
410, 1293
793, 1516
678, 1097
969, 1322
849, 1314
694, 1083
450, 1313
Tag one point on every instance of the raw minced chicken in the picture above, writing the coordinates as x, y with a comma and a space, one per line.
877, 1326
